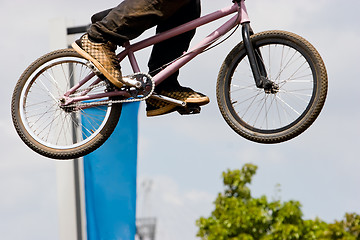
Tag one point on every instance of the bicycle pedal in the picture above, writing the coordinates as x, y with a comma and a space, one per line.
189, 109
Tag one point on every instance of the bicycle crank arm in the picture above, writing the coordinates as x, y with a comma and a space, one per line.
169, 100
131, 82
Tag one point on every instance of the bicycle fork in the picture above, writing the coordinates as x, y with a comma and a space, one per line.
256, 62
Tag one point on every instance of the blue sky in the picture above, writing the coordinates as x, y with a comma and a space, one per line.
184, 155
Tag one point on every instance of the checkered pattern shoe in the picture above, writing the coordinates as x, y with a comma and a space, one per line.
157, 107
103, 56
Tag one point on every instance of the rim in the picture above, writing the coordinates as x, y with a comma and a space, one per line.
44, 119
264, 112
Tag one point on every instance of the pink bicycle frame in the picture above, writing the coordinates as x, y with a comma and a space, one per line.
241, 17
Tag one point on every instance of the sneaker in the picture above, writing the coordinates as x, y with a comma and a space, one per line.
103, 56
155, 107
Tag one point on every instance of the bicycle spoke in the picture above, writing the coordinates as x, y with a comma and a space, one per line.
290, 70
47, 120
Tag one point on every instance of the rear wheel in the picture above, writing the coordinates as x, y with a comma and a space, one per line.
44, 124
298, 72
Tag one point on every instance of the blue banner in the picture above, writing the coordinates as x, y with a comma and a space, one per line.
110, 182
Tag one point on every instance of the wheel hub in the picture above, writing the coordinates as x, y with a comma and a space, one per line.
270, 87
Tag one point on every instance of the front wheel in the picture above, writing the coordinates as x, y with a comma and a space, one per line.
299, 74
44, 124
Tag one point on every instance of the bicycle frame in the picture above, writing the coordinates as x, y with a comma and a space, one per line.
263, 108
129, 49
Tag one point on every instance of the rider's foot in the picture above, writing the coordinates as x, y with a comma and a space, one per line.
103, 56
157, 107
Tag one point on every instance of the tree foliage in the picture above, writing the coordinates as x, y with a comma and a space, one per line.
239, 216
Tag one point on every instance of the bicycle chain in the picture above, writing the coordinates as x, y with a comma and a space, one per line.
133, 92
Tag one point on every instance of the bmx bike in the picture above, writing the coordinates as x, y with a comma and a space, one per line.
270, 88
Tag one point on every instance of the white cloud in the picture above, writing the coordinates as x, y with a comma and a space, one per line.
172, 199
199, 197
176, 209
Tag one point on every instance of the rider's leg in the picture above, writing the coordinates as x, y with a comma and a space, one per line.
166, 51
131, 18
118, 25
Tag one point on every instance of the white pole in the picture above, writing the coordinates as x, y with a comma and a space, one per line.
68, 173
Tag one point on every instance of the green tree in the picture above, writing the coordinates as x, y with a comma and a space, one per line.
239, 216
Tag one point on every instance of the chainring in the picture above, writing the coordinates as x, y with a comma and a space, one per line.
144, 91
